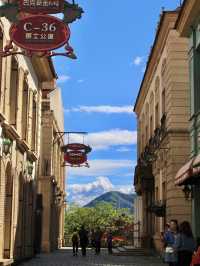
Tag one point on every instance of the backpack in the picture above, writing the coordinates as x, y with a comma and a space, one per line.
75, 237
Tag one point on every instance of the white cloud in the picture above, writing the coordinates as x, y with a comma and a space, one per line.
63, 78
123, 149
138, 61
101, 183
125, 189
103, 168
106, 109
84, 193
105, 139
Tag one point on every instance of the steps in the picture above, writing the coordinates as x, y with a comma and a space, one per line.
129, 251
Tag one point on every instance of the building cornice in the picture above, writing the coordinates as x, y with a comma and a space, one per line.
188, 16
44, 69
167, 22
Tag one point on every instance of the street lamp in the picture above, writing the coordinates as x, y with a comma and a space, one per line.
7, 143
30, 168
187, 190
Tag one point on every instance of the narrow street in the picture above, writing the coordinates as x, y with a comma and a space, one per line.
64, 258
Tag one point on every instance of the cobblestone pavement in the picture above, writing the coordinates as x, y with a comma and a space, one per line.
64, 258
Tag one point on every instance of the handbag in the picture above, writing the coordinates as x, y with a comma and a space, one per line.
170, 255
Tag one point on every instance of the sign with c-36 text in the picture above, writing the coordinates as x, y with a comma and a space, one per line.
39, 33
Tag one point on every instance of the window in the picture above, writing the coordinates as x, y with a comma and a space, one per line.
151, 125
157, 199
164, 191
163, 102
157, 118
25, 111
14, 80
147, 133
34, 124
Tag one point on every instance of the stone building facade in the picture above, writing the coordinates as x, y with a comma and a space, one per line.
22, 84
188, 25
51, 183
162, 109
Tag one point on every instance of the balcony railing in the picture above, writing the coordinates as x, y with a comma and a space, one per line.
149, 156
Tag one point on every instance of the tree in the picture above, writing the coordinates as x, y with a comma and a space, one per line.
103, 215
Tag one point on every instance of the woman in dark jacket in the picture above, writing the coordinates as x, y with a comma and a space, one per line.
169, 239
185, 244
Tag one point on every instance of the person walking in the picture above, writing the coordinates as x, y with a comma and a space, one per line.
98, 235
109, 242
185, 244
170, 255
83, 236
75, 242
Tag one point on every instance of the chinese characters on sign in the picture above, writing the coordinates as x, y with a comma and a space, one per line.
40, 33
42, 6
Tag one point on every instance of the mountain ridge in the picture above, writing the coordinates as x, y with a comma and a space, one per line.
116, 198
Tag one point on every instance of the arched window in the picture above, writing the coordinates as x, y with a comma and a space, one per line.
147, 123
157, 104
14, 82
163, 102
151, 114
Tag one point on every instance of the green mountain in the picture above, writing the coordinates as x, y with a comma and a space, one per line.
117, 199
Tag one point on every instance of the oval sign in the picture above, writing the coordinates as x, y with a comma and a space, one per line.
76, 147
40, 33
75, 157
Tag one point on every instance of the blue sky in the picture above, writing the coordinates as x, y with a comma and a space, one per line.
112, 42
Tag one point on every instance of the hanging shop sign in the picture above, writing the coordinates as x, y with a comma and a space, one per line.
77, 147
75, 154
75, 157
39, 33
33, 30
41, 6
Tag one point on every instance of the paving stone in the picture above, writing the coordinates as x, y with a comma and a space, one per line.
64, 257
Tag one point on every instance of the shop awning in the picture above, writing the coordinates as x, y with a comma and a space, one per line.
184, 173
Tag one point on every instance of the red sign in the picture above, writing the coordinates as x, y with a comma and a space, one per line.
39, 33
76, 147
75, 157
41, 6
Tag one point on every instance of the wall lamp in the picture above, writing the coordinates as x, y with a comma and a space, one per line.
187, 190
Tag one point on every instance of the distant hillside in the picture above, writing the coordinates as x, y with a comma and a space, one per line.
117, 199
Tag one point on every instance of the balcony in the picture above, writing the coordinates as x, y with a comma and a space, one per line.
148, 156
143, 178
